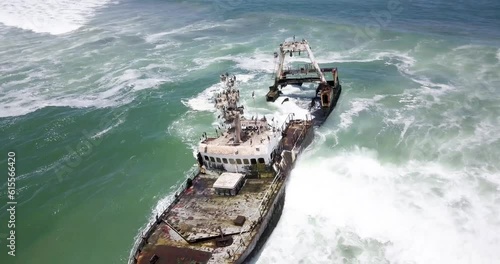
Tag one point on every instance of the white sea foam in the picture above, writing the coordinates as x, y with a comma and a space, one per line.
357, 106
351, 207
244, 78
203, 101
51, 16
289, 107
106, 130
200, 26
114, 88
202, 38
400, 119
139, 80
431, 88
485, 138
205, 62
400, 59
20, 103
259, 62
168, 44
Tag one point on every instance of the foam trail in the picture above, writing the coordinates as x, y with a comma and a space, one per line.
106, 130
52, 16
183, 30
110, 87
358, 105
204, 100
288, 107
255, 63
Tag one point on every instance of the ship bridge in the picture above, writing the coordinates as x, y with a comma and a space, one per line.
249, 142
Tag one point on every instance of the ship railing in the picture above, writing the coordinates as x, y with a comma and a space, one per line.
302, 135
139, 244
261, 206
269, 192
272, 187
289, 118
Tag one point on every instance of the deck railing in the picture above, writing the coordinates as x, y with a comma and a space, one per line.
262, 205
302, 134
142, 241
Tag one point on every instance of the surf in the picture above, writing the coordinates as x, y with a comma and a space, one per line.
54, 17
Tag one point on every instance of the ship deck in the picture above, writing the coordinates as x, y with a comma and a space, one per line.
295, 133
198, 217
203, 227
201, 214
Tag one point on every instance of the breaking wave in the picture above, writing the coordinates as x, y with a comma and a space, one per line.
353, 207
52, 16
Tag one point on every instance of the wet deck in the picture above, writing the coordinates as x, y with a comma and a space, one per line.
188, 232
201, 214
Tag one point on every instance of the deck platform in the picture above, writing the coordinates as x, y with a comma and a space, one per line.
295, 133
202, 214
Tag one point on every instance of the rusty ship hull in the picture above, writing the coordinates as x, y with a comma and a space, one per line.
166, 243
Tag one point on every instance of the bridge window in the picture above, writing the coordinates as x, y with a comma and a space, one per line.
238, 161
253, 161
261, 160
224, 160
212, 159
245, 161
206, 158
231, 161
218, 160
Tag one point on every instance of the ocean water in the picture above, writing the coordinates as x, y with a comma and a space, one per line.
103, 103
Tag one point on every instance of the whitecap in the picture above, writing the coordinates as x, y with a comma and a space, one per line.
200, 26
52, 16
358, 105
416, 212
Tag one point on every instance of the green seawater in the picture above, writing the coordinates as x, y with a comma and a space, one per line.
104, 115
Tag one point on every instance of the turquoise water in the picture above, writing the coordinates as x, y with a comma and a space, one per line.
104, 103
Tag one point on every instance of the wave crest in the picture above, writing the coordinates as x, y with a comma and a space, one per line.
51, 16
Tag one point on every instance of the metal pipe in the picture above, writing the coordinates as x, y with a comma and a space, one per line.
237, 124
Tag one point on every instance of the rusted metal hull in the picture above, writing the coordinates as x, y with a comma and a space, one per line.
176, 238
322, 113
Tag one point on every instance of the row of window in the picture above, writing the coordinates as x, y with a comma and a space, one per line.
235, 161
